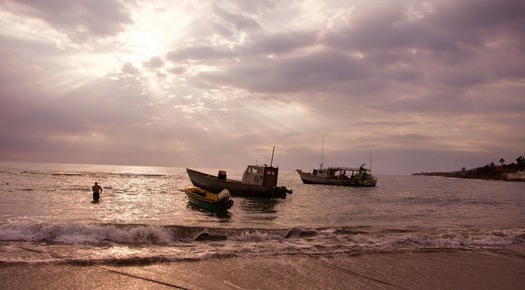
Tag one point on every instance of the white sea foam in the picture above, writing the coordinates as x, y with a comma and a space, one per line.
80, 233
254, 236
445, 239
159, 235
142, 244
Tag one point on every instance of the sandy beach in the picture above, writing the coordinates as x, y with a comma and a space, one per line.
431, 270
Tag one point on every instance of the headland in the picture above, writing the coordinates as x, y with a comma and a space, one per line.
507, 172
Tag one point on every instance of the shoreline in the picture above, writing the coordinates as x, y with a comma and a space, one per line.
420, 270
458, 176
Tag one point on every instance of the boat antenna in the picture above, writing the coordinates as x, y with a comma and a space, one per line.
322, 155
271, 162
370, 159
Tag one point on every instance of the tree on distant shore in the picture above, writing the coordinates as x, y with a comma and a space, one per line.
489, 171
521, 162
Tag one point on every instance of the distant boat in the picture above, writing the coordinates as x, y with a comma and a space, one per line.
344, 176
257, 181
208, 200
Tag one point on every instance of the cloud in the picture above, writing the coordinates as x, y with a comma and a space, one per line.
129, 68
427, 86
154, 62
449, 30
313, 71
237, 21
199, 53
79, 20
281, 43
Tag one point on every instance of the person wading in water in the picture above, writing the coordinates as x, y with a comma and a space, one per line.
97, 190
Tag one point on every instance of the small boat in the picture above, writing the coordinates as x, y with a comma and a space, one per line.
212, 201
339, 176
257, 181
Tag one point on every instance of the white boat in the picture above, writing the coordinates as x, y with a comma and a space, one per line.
344, 176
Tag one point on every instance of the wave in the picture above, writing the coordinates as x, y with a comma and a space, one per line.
125, 234
141, 244
161, 235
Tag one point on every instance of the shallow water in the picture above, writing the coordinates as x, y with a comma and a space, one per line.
46, 216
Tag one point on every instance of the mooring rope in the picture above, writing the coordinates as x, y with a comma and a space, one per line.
344, 268
57, 256
347, 270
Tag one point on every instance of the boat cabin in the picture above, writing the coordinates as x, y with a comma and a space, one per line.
261, 175
339, 172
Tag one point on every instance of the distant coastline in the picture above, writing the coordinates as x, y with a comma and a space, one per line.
507, 172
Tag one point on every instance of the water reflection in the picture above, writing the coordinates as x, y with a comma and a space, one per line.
258, 208
224, 216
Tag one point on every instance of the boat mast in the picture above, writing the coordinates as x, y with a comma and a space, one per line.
322, 155
271, 162
370, 159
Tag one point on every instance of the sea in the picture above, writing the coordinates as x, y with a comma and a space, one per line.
46, 216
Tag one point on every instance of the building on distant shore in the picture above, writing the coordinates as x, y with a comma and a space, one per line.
518, 175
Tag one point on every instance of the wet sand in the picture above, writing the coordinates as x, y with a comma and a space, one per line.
431, 270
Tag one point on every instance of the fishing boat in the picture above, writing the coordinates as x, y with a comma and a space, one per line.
344, 176
257, 181
212, 201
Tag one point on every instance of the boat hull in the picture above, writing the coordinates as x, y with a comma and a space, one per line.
213, 183
207, 200
309, 178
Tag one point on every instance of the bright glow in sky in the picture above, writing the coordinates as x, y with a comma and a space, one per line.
427, 86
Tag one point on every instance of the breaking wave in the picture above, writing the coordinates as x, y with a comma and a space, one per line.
350, 236
142, 244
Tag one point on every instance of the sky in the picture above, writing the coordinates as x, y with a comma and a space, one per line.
404, 86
